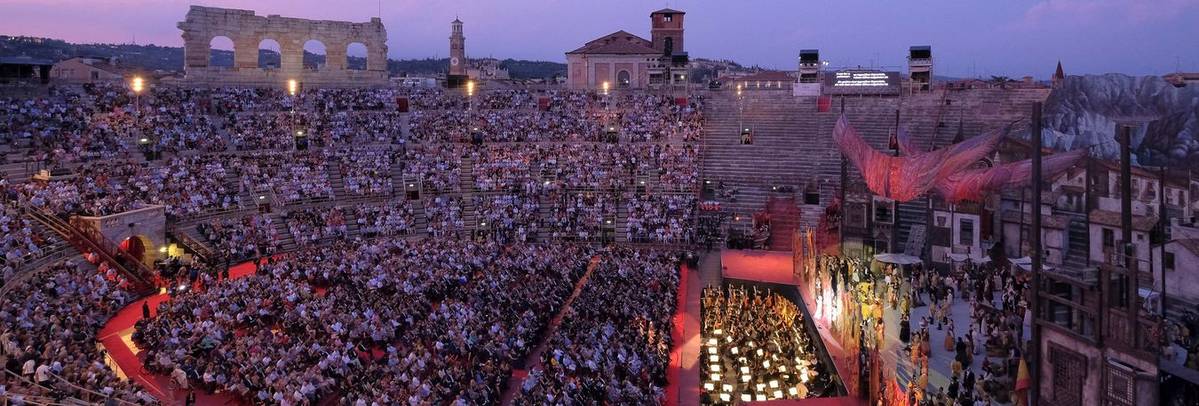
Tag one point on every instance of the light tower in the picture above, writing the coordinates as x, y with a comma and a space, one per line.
457, 73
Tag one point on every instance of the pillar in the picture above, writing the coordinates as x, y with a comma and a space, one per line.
245, 51
335, 53
376, 55
291, 54
195, 49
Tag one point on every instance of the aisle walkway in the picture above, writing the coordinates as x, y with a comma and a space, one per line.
533, 360
116, 337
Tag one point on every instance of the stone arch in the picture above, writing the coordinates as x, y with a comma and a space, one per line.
357, 56
270, 54
315, 54
222, 51
139, 247
623, 79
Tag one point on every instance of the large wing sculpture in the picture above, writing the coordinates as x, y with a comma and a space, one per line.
908, 177
945, 169
974, 184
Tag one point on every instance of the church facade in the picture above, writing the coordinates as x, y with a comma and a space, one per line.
624, 60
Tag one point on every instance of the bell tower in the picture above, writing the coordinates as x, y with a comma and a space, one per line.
666, 31
456, 77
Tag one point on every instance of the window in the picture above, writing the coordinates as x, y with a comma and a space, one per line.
1109, 238
1168, 261
668, 18
966, 232
811, 197
882, 212
1069, 374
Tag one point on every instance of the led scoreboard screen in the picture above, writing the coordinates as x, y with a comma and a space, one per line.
861, 82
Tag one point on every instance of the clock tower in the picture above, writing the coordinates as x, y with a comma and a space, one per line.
457, 72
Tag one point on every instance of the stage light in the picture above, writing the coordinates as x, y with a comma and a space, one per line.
292, 86
605, 88
144, 140
261, 197
162, 249
138, 84
470, 88
708, 386
411, 185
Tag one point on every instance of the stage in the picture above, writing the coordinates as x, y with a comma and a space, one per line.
777, 267
758, 266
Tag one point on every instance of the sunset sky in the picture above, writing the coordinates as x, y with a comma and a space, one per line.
969, 37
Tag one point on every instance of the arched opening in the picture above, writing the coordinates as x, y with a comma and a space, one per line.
314, 54
220, 52
622, 79
356, 56
135, 247
268, 54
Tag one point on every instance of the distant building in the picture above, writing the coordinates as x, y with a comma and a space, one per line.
24, 69
1181, 79
86, 70
1059, 76
487, 69
624, 60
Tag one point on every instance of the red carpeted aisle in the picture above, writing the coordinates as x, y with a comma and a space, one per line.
673, 373
114, 339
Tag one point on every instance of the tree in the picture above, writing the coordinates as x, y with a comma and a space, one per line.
1001, 81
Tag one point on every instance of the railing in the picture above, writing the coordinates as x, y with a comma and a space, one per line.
141, 274
85, 243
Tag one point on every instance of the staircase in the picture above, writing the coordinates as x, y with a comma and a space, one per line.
142, 278
336, 181
1078, 238
784, 220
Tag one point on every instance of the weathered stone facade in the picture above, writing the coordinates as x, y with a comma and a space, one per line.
147, 224
247, 31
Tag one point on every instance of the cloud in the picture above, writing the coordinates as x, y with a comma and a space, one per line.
1101, 12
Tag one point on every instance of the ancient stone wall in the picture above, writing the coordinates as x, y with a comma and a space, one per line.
248, 30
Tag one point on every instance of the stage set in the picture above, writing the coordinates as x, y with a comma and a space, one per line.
875, 317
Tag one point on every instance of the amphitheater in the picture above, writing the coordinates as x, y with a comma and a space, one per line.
380, 174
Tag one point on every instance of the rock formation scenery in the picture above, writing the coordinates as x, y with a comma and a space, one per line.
545, 202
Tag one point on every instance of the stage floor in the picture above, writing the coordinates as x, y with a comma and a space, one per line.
758, 266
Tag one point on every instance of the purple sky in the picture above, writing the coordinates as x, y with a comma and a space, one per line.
969, 37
